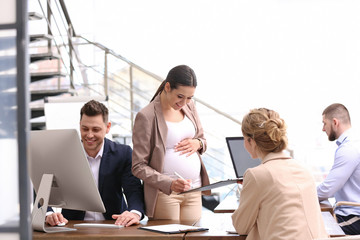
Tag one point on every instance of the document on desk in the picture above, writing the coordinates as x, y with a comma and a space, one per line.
215, 185
173, 228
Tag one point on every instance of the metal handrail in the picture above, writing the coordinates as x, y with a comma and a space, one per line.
109, 51
67, 16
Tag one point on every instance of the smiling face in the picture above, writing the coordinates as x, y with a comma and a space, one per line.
93, 131
177, 98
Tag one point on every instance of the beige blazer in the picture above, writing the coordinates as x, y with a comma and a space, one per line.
279, 201
149, 138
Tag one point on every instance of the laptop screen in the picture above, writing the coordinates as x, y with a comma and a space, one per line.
240, 158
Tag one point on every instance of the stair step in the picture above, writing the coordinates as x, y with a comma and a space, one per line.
37, 108
35, 16
43, 56
38, 123
37, 113
37, 76
40, 94
40, 37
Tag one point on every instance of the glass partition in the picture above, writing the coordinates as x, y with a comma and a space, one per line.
14, 187
8, 139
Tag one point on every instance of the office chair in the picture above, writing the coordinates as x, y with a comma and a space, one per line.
341, 203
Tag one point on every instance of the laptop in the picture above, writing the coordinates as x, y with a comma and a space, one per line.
241, 161
240, 158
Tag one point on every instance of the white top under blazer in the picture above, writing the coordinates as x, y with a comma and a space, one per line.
188, 167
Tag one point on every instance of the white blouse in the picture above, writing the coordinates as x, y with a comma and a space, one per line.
188, 167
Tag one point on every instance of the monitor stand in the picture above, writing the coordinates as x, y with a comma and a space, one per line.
41, 205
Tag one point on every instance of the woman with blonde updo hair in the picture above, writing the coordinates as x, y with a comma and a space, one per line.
278, 199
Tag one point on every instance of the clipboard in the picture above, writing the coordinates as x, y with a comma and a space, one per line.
173, 228
215, 185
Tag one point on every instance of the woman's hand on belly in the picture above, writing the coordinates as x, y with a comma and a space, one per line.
188, 145
180, 185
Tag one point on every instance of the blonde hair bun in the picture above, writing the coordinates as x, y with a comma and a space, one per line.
266, 128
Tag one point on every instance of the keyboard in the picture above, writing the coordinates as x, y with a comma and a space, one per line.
97, 225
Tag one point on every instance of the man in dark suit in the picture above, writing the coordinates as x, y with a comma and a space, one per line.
110, 164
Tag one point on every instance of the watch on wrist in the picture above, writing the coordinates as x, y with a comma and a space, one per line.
201, 144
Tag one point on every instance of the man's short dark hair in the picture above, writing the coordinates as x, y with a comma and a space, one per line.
94, 108
338, 111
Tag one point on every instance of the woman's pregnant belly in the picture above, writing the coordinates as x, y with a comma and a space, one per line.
188, 167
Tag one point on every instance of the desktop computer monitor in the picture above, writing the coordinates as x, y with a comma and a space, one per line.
240, 158
60, 174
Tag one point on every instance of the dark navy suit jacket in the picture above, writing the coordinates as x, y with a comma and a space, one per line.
115, 178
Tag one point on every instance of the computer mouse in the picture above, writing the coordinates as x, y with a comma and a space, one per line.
61, 224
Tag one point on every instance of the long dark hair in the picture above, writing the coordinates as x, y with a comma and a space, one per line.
181, 75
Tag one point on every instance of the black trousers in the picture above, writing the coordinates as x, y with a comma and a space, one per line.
349, 224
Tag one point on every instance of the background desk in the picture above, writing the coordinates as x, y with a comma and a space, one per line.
231, 203
131, 233
228, 205
218, 224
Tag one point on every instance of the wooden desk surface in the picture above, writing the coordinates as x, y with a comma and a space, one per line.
132, 232
218, 224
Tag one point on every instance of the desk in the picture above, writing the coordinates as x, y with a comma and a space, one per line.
218, 224
132, 232
231, 203
228, 205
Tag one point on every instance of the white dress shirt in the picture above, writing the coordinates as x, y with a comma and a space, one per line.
343, 180
95, 166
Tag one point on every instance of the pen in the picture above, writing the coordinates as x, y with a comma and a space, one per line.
179, 176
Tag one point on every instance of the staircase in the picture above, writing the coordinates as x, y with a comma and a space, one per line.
66, 64
47, 77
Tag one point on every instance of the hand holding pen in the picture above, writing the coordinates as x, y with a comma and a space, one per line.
180, 184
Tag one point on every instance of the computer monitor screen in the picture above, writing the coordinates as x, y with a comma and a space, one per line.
60, 153
241, 159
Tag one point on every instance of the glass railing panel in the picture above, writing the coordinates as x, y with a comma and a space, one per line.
217, 158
